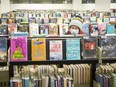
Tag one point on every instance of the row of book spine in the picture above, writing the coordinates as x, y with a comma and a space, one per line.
106, 75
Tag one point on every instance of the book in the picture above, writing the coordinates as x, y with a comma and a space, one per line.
102, 28
85, 28
11, 20
11, 29
99, 20
63, 28
60, 20
3, 29
56, 50
32, 20
18, 49
106, 20
45, 20
38, 49
44, 29
23, 28
4, 20
73, 49
53, 30
108, 45
110, 28
33, 29
3, 49
20, 34
93, 19
93, 29
53, 20
89, 47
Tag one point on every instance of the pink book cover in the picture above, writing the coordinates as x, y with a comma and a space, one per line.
18, 49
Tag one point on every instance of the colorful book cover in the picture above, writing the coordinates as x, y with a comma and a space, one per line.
89, 47
45, 20
63, 29
99, 20
18, 49
110, 28
86, 20
66, 20
93, 19
18, 34
12, 28
4, 20
44, 29
59, 20
23, 28
86, 28
102, 28
33, 29
56, 50
106, 20
4, 15
93, 29
112, 19
3, 49
53, 20
53, 30
3, 30
32, 20
18, 20
108, 45
25, 19
11, 20
38, 49
73, 49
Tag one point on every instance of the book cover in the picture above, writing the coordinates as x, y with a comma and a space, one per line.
44, 29
93, 29
55, 49
53, 20
73, 49
86, 28
3, 49
12, 28
63, 29
110, 28
18, 20
3, 29
4, 20
93, 19
89, 47
18, 49
112, 19
23, 28
99, 20
11, 20
108, 45
32, 20
38, 49
106, 20
53, 30
102, 28
59, 20
18, 34
33, 29
45, 20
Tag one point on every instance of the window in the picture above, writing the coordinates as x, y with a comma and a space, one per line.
113, 1
88, 1
41, 1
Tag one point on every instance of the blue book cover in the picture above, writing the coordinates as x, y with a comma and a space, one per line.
86, 28
106, 20
110, 29
26, 82
3, 30
25, 34
73, 49
3, 49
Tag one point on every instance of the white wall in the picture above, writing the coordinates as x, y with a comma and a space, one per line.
88, 6
40, 6
5, 6
112, 6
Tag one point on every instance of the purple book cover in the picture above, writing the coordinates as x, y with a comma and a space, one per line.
19, 49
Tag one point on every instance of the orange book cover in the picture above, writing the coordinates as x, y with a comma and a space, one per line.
38, 49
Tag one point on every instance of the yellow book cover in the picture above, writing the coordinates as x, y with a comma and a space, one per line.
38, 49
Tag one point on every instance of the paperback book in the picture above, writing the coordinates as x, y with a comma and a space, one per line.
53, 30
89, 47
56, 50
93, 29
110, 29
38, 49
102, 28
86, 28
3, 29
73, 49
3, 49
18, 49
11, 29
108, 45
63, 29
44, 29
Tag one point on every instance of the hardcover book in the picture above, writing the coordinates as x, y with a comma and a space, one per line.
3, 49
73, 49
110, 29
38, 49
18, 49
102, 28
53, 30
3, 29
93, 29
44, 29
108, 45
55, 49
89, 47
63, 29
33, 29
